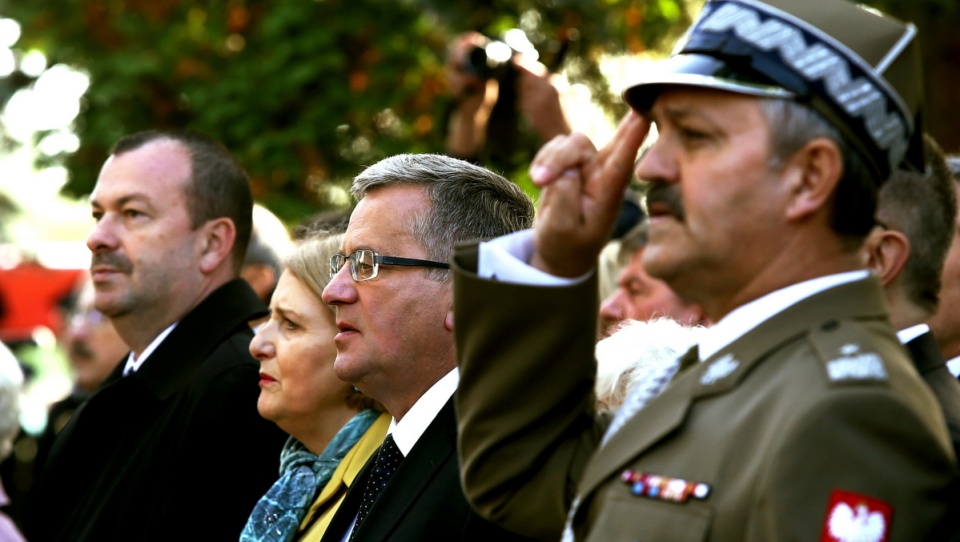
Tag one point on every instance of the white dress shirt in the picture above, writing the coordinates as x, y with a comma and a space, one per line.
408, 430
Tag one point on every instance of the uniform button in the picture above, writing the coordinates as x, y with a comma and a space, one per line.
830, 325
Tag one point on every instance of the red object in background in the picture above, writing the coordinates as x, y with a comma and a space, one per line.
30, 297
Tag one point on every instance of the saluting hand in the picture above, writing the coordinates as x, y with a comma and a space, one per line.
582, 196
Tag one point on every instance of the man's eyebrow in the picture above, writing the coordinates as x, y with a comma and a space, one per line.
123, 200
679, 112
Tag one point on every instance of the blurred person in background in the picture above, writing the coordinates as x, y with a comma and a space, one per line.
328, 420
11, 382
945, 323
491, 96
94, 349
269, 243
639, 296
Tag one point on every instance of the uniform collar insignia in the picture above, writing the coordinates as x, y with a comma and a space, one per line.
719, 369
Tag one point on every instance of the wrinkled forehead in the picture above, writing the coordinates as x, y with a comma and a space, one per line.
386, 219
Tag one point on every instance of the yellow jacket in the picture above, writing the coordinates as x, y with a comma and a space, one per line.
325, 506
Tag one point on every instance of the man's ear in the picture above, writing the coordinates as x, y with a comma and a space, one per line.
216, 243
814, 172
885, 252
448, 321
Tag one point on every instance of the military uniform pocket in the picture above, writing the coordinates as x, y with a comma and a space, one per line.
642, 519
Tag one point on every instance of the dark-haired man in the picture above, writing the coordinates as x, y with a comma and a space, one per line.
915, 222
945, 323
171, 446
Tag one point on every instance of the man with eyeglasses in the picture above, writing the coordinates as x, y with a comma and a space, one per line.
93, 348
391, 289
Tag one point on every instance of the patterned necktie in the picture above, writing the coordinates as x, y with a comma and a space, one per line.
385, 464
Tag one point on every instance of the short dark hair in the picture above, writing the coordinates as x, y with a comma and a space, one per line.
854, 201
218, 187
922, 206
468, 202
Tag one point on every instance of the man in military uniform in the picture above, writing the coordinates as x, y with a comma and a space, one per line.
804, 418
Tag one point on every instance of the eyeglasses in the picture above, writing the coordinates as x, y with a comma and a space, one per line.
365, 264
90, 316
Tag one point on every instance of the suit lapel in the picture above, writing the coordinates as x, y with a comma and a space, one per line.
418, 470
432, 451
925, 353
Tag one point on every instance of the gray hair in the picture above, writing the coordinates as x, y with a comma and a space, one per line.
468, 202
11, 382
793, 125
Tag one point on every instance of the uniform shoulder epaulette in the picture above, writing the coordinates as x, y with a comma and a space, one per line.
850, 353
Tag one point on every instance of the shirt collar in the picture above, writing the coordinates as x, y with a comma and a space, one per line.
912, 332
134, 363
408, 430
953, 365
746, 317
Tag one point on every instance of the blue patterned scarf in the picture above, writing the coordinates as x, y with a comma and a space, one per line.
278, 514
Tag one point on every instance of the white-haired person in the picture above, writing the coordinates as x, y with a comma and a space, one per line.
640, 354
11, 382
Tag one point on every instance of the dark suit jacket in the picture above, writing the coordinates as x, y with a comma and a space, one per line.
820, 401
175, 451
423, 500
931, 366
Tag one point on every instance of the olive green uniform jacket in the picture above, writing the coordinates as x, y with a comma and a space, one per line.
818, 403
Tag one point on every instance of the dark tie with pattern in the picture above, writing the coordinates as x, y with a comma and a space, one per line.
384, 465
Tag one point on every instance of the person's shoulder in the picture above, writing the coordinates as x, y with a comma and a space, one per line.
853, 352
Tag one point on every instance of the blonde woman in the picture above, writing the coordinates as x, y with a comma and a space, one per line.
329, 422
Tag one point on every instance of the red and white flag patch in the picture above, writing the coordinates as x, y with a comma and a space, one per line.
853, 517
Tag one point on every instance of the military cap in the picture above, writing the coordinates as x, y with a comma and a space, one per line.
859, 68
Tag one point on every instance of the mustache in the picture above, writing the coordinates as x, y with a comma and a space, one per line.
81, 349
111, 259
668, 196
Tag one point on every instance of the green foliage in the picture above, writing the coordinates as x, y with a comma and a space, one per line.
304, 92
